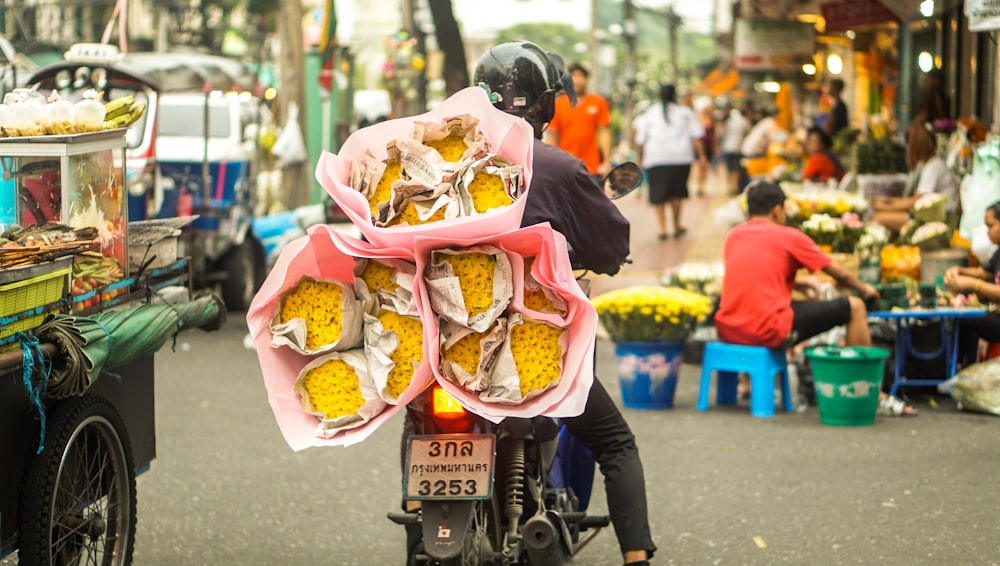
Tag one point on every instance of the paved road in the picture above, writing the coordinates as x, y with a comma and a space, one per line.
724, 488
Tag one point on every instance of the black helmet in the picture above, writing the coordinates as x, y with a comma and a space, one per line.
526, 78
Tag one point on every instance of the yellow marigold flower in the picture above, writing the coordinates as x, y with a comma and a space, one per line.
475, 275
466, 352
333, 389
537, 354
451, 147
487, 192
378, 275
319, 303
651, 314
535, 299
383, 191
408, 354
409, 216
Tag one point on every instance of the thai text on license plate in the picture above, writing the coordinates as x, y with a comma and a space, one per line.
449, 466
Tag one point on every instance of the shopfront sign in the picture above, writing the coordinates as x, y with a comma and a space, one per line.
766, 45
848, 14
983, 15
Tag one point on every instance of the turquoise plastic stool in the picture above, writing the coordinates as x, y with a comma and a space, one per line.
761, 363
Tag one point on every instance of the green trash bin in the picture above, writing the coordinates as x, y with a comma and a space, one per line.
847, 383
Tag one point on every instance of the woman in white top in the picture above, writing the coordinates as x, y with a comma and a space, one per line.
734, 129
666, 137
928, 174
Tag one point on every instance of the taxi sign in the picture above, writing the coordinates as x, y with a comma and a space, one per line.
93, 53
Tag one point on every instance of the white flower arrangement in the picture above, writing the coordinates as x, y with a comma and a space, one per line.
869, 247
704, 278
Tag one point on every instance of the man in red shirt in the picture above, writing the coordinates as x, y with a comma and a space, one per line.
762, 256
583, 130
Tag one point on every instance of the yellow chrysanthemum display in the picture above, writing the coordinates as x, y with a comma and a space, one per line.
487, 192
333, 389
651, 314
408, 354
409, 216
466, 352
475, 275
383, 191
535, 299
319, 303
378, 276
537, 354
451, 147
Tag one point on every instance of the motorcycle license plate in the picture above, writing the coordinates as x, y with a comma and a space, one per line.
449, 466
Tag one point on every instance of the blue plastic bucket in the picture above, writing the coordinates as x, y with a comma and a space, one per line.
647, 373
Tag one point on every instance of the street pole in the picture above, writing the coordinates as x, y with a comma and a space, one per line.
629, 28
673, 20
293, 90
595, 43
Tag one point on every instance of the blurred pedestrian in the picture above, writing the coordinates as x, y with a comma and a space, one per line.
821, 164
583, 130
705, 111
934, 104
734, 129
837, 118
668, 137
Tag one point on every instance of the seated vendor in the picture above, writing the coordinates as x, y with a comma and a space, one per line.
928, 174
821, 164
761, 257
985, 284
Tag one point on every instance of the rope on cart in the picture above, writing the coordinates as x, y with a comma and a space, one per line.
34, 354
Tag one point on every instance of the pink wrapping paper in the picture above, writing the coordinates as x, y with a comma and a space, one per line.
568, 397
324, 253
510, 137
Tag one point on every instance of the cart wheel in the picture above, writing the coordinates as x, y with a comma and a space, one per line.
244, 274
78, 501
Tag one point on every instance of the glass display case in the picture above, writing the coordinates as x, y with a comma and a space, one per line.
74, 180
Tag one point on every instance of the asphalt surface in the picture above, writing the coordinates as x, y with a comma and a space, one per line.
723, 487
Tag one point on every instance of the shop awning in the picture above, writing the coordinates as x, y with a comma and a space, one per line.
718, 82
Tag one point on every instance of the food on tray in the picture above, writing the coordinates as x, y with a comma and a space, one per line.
43, 242
410, 352
334, 389
26, 113
319, 303
537, 354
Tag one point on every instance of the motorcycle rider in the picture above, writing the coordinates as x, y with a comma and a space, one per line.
562, 193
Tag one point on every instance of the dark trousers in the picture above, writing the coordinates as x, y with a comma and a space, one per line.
603, 430
970, 330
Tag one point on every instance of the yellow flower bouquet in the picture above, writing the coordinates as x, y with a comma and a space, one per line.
651, 314
316, 316
402, 178
394, 346
468, 356
469, 286
385, 281
338, 389
532, 357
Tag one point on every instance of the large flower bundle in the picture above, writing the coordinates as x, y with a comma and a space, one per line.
841, 235
801, 206
704, 278
465, 162
339, 391
651, 314
531, 352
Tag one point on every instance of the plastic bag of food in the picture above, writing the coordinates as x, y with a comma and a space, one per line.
977, 387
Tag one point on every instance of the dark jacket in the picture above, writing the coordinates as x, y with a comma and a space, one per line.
564, 194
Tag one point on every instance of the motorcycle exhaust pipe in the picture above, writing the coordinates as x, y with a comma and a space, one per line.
544, 542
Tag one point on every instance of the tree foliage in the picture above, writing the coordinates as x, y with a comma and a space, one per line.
558, 38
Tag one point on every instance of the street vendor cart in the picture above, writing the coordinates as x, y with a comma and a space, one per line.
79, 327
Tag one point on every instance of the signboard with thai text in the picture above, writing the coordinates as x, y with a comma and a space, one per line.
848, 14
983, 15
765, 45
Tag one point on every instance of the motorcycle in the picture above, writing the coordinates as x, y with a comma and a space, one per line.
483, 493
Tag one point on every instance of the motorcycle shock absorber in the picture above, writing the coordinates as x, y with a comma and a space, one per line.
515, 487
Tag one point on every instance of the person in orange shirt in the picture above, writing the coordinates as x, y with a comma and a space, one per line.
583, 130
821, 164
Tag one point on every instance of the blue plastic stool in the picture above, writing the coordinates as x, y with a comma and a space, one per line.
761, 363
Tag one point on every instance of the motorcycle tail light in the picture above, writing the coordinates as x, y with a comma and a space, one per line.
446, 406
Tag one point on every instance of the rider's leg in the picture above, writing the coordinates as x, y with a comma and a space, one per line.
603, 430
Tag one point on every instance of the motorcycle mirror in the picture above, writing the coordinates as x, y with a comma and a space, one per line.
622, 180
